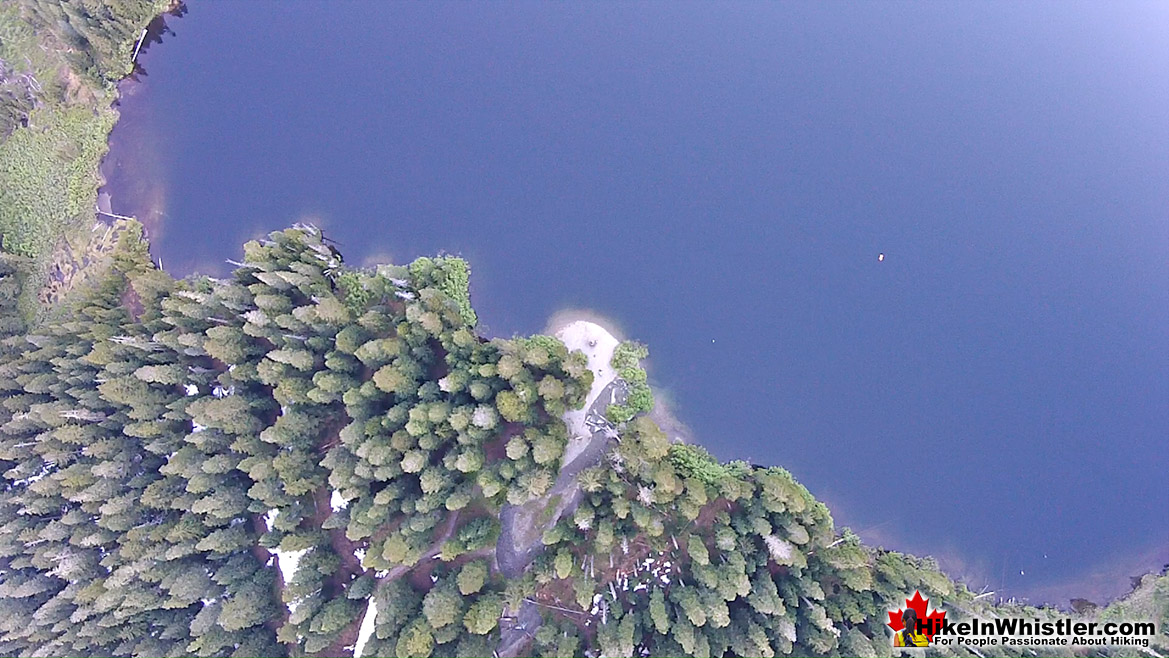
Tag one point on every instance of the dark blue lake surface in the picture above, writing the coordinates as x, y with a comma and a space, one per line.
720, 179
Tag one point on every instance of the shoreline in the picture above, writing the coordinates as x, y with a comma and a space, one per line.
598, 345
566, 316
587, 325
580, 325
664, 412
664, 415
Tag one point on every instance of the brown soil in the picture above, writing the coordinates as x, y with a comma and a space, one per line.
496, 448
132, 302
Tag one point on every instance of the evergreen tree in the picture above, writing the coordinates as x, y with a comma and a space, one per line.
252, 466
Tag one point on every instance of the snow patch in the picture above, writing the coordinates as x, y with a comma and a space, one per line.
337, 502
33, 478
288, 560
191, 389
270, 518
367, 625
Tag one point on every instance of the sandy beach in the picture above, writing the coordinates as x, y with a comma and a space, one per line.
576, 328
598, 345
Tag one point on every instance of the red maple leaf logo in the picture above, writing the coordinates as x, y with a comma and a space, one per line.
919, 605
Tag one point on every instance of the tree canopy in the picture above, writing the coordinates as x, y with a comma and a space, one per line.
241, 466
306, 458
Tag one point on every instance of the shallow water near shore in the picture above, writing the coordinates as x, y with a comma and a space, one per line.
721, 183
665, 412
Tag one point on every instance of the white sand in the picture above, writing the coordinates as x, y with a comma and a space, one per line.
598, 345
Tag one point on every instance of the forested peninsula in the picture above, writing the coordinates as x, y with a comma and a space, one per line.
309, 458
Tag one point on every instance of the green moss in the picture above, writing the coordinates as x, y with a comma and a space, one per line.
550, 509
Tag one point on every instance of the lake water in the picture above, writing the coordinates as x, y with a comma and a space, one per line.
719, 180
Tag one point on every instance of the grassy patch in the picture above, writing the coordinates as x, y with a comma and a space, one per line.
550, 509
49, 176
95, 37
48, 187
69, 53
20, 47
